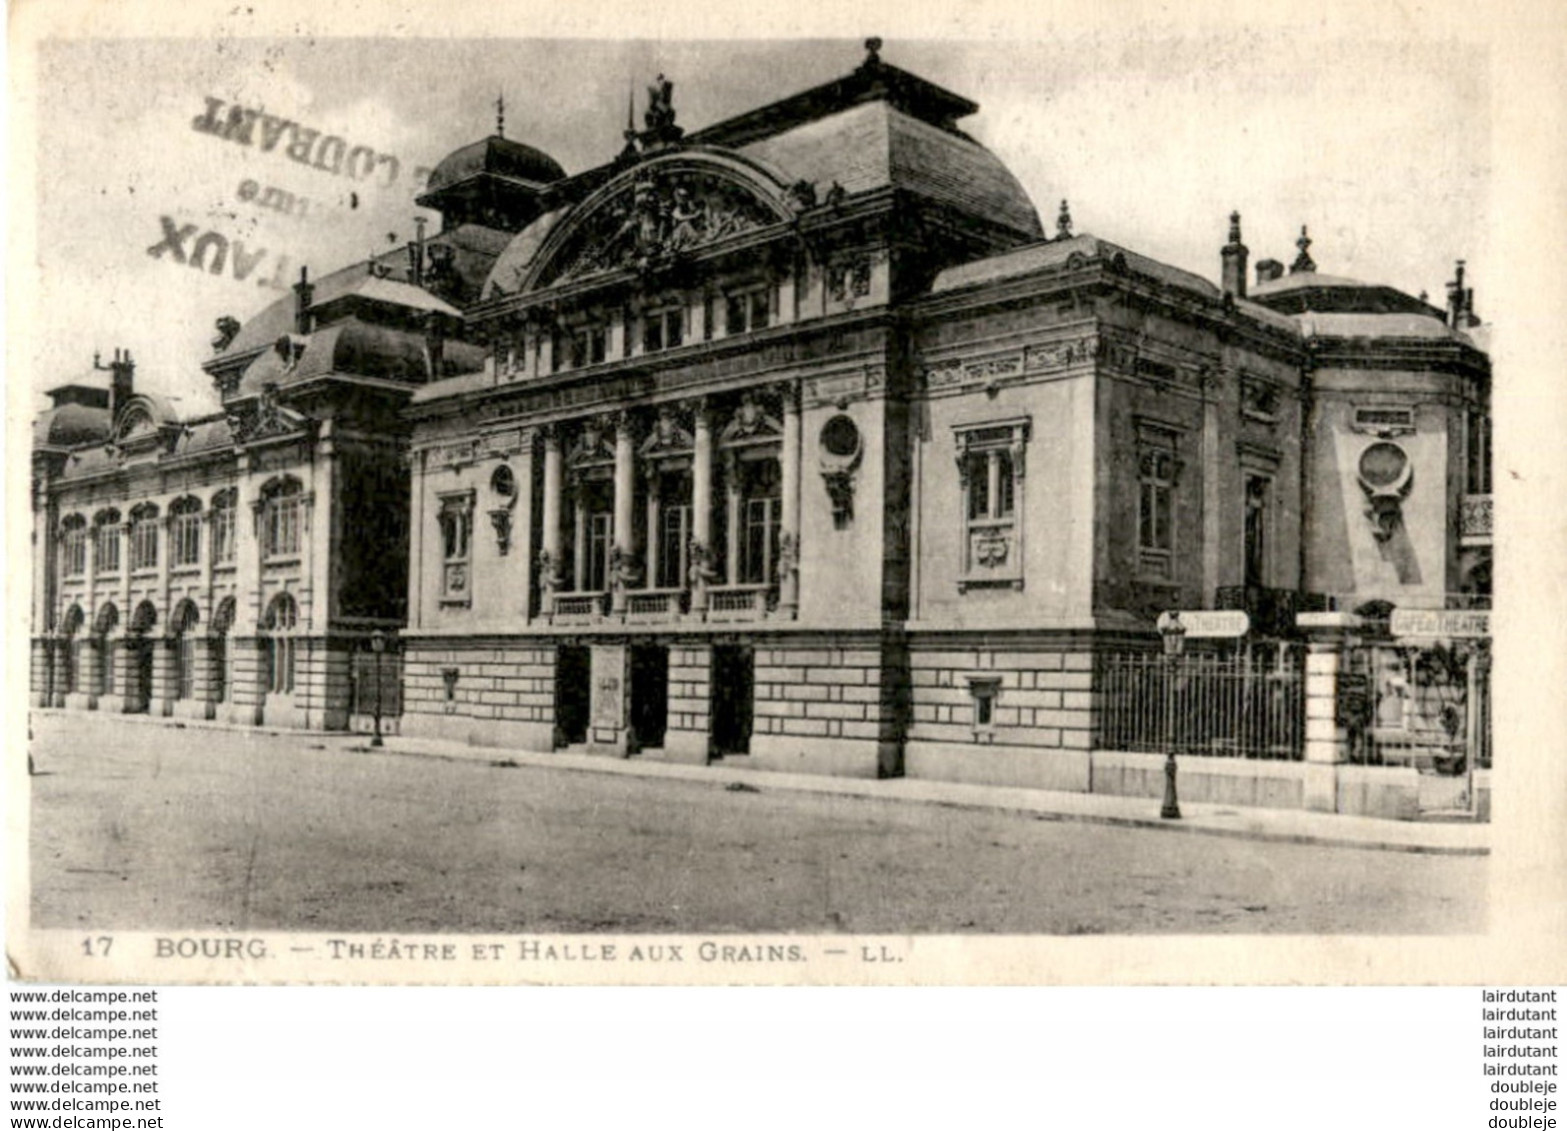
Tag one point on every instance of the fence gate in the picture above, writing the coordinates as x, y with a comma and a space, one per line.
1430, 709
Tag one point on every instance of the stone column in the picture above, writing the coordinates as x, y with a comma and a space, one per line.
625, 489
125, 571
549, 554
1327, 741
522, 524
701, 506
160, 697
579, 535
1212, 533
650, 550
789, 505
417, 564
732, 513
127, 684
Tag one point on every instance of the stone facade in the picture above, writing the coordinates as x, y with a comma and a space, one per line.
796, 439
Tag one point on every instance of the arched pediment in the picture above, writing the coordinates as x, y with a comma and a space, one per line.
659, 211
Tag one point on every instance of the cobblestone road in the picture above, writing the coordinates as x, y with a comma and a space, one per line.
138, 826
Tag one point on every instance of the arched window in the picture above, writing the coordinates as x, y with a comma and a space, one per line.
104, 624
185, 532
144, 537
278, 628
106, 541
282, 501
183, 646
218, 650
223, 526
68, 630
73, 546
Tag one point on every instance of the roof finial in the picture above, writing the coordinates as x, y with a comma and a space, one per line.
1064, 223
1303, 261
872, 51
1235, 227
500, 115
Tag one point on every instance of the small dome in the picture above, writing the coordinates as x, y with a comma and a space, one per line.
499, 157
71, 425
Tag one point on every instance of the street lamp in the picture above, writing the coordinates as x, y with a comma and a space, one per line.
377, 646
1173, 632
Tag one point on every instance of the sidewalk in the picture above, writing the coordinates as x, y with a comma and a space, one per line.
1451, 838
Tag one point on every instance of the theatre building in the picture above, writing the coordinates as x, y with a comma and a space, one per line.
800, 441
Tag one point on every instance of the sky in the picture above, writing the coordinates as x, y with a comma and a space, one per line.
1381, 146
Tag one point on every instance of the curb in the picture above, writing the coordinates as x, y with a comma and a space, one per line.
1041, 805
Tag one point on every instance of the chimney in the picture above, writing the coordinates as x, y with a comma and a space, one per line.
1269, 270
1460, 301
304, 295
122, 375
1233, 259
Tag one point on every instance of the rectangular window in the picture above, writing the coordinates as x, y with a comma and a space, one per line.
673, 541
456, 540
107, 550
222, 535
144, 544
1156, 511
663, 329
759, 540
280, 522
1158, 468
74, 551
983, 693
185, 535
1259, 493
990, 465
600, 526
747, 310
1479, 453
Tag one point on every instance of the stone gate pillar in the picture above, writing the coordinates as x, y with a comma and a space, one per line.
1328, 637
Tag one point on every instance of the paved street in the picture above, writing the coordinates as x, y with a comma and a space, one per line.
147, 827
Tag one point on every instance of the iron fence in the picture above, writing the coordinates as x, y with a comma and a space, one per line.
1248, 704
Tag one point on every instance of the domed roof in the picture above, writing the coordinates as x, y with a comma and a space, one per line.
70, 425
496, 156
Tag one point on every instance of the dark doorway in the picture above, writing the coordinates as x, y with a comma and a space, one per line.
573, 689
649, 695
734, 676
141, 675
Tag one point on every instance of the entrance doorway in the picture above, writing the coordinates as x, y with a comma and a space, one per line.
140, 698
649, 695
573, 688
734, 678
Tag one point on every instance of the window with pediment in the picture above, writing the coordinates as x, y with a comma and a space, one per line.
990, 458
456, 518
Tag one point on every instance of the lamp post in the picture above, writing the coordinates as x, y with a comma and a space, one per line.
1173, 632
377, 646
